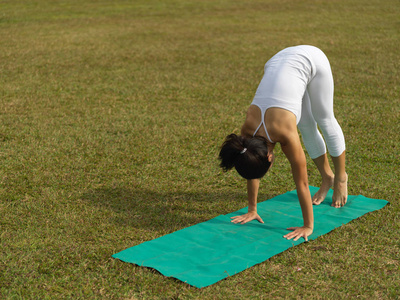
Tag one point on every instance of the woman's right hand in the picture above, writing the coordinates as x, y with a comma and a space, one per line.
242, 219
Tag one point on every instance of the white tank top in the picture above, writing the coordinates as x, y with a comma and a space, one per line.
286, 76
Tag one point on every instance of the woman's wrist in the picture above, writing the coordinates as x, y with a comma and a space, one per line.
252, 208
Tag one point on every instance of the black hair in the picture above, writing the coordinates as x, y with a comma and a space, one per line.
249, 156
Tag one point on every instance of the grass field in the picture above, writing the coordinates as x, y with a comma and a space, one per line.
111, 118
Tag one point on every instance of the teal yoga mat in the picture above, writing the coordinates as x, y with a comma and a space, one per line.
208, 252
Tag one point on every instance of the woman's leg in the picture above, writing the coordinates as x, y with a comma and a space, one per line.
327, 175
315, 146
320, 91
339, 197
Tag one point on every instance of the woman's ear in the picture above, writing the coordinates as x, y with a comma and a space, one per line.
271, 157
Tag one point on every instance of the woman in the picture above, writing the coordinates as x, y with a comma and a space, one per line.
295, 91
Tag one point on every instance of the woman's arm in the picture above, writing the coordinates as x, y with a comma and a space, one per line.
252, 192
295, 154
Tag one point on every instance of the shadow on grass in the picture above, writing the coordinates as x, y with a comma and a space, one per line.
163, 211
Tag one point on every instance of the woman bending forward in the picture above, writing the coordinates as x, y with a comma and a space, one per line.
295, 91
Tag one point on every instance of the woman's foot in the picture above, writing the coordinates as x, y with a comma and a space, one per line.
326, 184
339, 197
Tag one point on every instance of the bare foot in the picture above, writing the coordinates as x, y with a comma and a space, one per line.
323, 190
339, 197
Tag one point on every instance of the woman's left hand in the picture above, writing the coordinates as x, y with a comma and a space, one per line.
298, 232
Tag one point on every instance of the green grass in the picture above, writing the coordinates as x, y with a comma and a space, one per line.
111, 118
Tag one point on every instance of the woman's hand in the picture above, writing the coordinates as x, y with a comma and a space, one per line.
247, 218
299, 232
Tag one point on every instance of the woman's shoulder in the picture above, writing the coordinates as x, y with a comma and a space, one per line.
280, 123
252, 121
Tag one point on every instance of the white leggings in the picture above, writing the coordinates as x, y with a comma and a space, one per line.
317, 108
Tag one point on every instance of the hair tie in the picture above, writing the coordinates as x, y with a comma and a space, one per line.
243, 151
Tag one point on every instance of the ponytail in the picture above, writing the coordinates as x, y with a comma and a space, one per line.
230, 150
